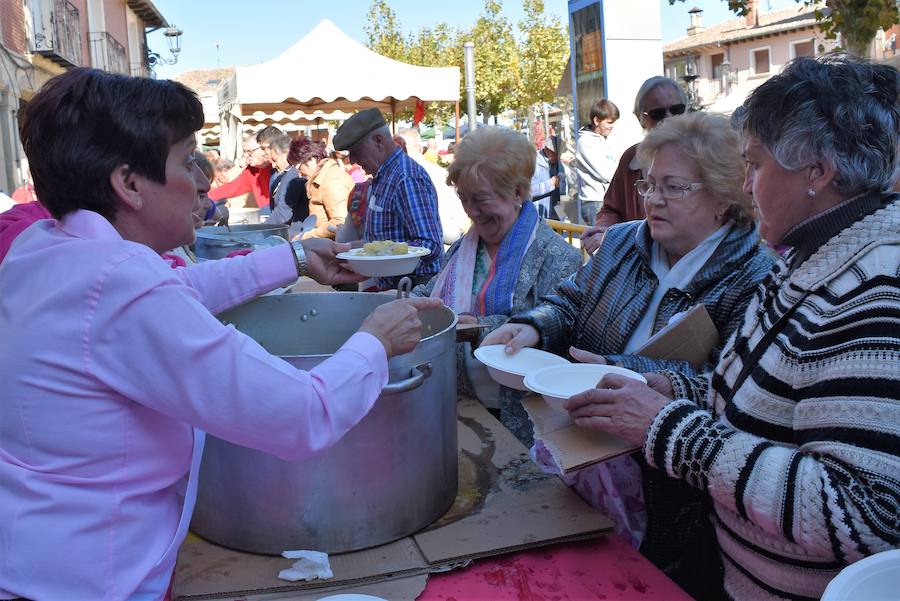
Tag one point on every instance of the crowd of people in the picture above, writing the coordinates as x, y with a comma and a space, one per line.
761, 472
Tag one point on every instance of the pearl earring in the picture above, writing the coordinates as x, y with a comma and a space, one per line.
810, 192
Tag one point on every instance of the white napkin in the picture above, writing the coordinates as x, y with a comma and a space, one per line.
312, 565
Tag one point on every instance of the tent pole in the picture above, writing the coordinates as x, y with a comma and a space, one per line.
457, 121
393, 116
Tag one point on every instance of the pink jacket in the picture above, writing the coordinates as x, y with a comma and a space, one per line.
108, 358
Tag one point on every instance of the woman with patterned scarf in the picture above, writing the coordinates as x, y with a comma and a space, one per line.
506, 261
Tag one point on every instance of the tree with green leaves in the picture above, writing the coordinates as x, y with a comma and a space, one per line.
856, 20
497, 64
439, 46
545, 47
383, 32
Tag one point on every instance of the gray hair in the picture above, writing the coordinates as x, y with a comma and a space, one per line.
280, 144
412, 137
835, 110
382, 130
650, 85
503, 157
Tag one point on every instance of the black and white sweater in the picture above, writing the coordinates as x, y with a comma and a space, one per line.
803, 466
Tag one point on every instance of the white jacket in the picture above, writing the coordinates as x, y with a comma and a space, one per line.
595, 163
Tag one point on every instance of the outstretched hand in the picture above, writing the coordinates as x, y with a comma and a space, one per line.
619, 405
514, 336
396, 324
592, 237
583, 356
324, 266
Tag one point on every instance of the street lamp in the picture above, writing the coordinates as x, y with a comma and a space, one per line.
173, 41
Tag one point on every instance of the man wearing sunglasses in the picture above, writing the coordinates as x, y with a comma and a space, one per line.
659, 98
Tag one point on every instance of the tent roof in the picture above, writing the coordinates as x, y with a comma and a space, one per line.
329, 71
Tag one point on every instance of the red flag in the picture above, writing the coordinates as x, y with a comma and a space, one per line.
419, 113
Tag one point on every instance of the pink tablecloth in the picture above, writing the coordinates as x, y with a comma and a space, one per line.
601, 569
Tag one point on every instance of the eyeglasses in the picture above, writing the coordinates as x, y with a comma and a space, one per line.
252, 150
660, 113
669, 190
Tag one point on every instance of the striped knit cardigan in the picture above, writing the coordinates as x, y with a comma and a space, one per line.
803, 466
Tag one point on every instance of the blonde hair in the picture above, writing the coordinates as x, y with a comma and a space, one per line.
504, 158
714, 146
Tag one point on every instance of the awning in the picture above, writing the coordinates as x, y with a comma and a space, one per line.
327, 70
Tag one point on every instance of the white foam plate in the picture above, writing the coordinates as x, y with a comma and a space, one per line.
560, 382
874, 578
510, 370
351, 597
383, 265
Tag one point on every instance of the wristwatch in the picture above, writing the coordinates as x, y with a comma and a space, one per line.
300, 259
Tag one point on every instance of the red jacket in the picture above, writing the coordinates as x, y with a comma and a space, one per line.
251, 179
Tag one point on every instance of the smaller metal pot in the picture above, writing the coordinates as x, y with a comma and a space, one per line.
216, 242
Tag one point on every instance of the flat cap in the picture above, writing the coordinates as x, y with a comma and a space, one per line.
357, 127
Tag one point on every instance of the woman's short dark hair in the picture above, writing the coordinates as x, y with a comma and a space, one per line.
84, 124
604, 109
836, 110
303, 149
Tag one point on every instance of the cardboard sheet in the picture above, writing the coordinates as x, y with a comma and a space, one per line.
504, 503
572, 447
690, 339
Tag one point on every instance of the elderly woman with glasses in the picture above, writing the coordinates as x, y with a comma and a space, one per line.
795, 443
697, 246
658, 98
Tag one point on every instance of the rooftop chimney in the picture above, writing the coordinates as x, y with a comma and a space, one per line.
752, 18
696, 25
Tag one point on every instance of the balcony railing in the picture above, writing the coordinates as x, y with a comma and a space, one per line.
710, 88
108, 53
60, 43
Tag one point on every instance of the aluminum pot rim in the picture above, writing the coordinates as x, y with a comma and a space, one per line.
432, 337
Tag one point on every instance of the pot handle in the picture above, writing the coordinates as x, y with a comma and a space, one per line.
417, 376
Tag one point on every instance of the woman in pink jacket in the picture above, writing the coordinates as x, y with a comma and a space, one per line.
113, 364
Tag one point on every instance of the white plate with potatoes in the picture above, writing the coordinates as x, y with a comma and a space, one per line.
384, 258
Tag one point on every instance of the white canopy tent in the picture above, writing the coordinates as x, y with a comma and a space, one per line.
324, 72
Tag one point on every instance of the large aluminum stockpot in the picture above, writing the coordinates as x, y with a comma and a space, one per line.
391, 475
215, 242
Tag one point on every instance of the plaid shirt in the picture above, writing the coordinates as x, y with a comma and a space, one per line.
403, 207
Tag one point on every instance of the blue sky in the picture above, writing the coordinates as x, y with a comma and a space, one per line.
252, 32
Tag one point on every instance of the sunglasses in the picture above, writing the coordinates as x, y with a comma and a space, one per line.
660, 113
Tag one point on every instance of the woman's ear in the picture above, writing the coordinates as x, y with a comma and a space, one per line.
519, 194
124, 183
821, 175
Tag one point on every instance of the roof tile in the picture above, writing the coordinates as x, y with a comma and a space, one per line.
735, 30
